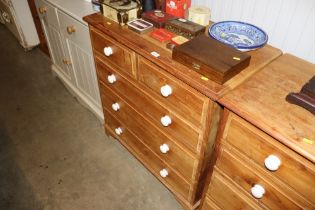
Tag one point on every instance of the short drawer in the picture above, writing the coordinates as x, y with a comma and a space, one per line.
296, 171
275, 195
179, 130
75, 31
48, 13
182, 98
227, 196
160, 144
161, 170
116, 54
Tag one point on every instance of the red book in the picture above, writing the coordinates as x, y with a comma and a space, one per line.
161, 35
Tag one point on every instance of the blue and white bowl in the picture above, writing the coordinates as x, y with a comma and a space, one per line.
243, 36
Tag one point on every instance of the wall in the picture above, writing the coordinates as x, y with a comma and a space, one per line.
290, 24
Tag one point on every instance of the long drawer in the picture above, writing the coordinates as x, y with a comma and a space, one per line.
182, 99
159, 143
228, 196
275, 196
294, 170
147, 157
179, 130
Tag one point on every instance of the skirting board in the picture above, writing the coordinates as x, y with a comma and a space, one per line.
76, 93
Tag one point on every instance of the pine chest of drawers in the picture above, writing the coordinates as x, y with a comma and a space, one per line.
161, 111
265, 150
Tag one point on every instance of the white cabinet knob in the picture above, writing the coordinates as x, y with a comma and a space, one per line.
164, 148
272, 163
108, 51
111, 78
258, 191
166, 120
164, 173
115, 106
118, 131
166, 90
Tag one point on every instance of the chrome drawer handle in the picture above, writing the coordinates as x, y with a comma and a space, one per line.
166, 120
163, 173
166, 90
111, 79
115, 106
108, 51
258, 191
164, 148
118, 131
272, 162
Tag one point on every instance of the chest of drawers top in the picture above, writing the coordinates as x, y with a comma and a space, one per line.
261, 101
144, 45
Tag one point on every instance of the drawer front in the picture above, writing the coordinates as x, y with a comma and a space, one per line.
294, 170
75, 31
121, 57
275, 196
176, 157
48, 13
178, 130
209, 205
184, 100
174, 182
227, 196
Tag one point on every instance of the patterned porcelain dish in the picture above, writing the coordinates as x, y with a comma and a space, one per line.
243, 36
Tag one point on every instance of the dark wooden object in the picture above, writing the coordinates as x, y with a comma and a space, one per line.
306, 97
185, 28
43, 43
210, 58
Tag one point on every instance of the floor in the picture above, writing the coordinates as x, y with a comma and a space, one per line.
54, 153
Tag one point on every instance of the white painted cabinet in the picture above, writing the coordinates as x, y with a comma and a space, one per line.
70, 47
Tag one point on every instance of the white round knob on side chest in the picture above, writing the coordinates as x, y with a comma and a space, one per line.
258, 191
118, 131
272, 162
164, 173
108, 51
166, 120
164, 148
166, 90
111, 79
115, 106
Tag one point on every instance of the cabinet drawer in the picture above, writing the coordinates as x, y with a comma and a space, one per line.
227, 196
178, 130
176, 157
48, 13
147, 157
119, 56
276, 196
209, 205
296, 171
184, 100
75, 31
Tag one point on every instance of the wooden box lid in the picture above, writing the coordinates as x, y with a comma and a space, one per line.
212, 59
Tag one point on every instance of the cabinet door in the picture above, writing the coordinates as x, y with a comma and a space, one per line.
84, 71
50, 24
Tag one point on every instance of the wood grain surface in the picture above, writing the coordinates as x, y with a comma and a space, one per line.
261, 101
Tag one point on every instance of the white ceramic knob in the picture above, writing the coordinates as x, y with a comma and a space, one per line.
166, 90
118, 131
115, 106
272, 163
108, 51
111, 78
164, 148
166, 120
258, 191
164, 173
